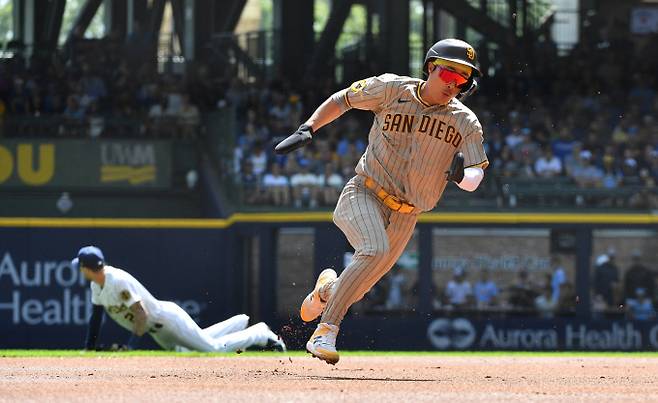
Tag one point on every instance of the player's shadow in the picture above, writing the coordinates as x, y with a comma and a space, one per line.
363, 378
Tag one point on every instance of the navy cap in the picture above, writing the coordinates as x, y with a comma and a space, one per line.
90, 257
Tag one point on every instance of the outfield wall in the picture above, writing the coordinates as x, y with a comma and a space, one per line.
264, 264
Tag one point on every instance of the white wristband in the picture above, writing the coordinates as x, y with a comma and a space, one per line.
472, 178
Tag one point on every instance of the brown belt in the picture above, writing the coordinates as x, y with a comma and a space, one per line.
389, 200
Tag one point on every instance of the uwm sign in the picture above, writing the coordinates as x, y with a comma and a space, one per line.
85, 164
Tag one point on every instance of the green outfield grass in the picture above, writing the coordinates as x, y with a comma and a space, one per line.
160, 353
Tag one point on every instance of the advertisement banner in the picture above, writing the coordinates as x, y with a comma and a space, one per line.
515, 333
536, 334
84, 164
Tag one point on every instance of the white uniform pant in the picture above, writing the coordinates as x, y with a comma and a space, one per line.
179, 329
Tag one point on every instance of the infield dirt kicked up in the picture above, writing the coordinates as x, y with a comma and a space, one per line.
296, 378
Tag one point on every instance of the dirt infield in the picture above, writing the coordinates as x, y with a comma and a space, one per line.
355, 378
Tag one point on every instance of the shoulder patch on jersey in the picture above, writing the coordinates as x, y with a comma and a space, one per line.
125, 295
358, 86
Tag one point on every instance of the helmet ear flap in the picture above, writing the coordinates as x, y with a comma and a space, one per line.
470, 87
426, 67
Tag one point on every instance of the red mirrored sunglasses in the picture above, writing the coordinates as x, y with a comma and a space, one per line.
448, 75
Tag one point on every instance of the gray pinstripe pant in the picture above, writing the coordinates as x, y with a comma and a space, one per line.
378, 236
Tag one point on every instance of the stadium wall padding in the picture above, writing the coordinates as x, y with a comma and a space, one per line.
205, 266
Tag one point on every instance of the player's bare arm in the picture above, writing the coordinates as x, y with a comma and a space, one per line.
324, 114
139, 319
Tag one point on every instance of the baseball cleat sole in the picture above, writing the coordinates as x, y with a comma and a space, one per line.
313, 306
329, 357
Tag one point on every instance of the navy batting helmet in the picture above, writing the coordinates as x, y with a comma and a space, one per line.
458, 51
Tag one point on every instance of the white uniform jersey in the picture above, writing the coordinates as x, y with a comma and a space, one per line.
120, 291
169, 325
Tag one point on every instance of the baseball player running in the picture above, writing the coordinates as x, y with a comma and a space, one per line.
422, 137
134, 308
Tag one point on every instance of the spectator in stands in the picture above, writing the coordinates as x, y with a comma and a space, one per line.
527, 149
573, 161
74, 115
258, 159
251, 184
599, 307
157, 114
73, 110
640, 307
330, 185
92, 85
650, 159
508, 166
494, 146
458, 291
96, 120
564, 144
544, 303
567, 301
349, 160
20, 101
375, 299
280, 114
621, 132
558, 278
395, 297
638, 276
296, 110
351, 138
53, 99
611, 177
606, 276
188, 118
36, 104
587, 175
485, 291
526, 167
515, 137
521, 292
276, 186
254, 129
304, 186
630, 172
548, 165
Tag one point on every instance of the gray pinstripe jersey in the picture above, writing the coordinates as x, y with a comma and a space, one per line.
411, 143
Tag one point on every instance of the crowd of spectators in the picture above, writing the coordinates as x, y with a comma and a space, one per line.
545, 296
635, 294
586, 119
94, 88
631, 293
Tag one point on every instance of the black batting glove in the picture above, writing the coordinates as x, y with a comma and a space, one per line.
456, 171
298, 139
